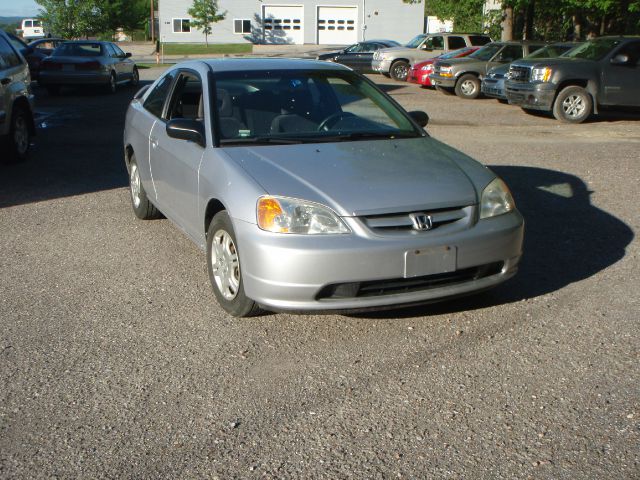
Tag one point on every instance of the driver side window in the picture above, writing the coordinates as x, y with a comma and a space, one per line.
435, 43
155, 100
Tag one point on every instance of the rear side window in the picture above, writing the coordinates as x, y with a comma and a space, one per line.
155, 100
479, 40
456, 42
8, 57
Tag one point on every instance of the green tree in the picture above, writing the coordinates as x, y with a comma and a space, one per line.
127, 14
204, 14
73, 18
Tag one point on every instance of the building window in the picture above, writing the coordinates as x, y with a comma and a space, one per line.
181, 25
242, 26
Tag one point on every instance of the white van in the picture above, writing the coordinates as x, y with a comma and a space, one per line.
32, 29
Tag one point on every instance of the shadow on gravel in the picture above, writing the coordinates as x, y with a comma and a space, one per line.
566, 240
77, 149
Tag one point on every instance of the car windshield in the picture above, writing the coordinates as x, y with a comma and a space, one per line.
305, 106
78, 50
550, 51
416, 41
454, 53
594, 49
487, 52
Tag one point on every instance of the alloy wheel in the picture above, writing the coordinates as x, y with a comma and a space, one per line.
574, 106
468, 88
21, 134
225, 264
134, 180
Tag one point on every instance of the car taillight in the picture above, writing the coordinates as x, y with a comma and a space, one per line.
51, 66
88, 66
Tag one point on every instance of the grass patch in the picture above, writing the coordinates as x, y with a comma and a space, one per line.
203, 49
145, 66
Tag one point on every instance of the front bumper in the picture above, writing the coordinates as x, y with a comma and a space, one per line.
535, 96
291, 272
494, 87
439, 81
47, 77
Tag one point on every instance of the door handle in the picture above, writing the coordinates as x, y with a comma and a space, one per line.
5, 81
154, 142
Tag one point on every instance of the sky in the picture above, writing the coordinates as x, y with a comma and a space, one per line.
18, 8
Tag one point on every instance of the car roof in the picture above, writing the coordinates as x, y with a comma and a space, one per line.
249, 64
86, 42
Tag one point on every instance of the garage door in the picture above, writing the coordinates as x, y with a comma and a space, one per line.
283, 24
337, 25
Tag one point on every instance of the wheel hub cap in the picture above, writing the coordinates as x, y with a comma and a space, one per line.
225, 264
21, 135
574, 106
135, 185
468, 87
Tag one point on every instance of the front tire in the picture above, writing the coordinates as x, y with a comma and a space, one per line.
573, 105
223, 265
135, 78
142, 206
112, 86
468, 87
399, 70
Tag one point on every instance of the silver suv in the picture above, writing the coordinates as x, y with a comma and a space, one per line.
16, 102
395, 61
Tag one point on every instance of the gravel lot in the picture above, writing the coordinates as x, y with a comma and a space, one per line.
116, 362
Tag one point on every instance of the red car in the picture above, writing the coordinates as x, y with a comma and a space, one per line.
420, 72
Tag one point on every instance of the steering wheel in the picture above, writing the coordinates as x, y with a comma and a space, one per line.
331, 120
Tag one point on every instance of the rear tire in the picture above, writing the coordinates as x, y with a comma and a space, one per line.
19, 134
142, 206
399, 70
468, 87
573, 105
223, 265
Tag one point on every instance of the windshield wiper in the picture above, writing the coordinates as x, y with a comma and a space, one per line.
265, 140
372, 135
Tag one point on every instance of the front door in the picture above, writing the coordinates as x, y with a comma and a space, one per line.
176, 163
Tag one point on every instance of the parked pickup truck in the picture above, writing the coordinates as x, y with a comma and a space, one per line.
604, 72
465, 74
395, 61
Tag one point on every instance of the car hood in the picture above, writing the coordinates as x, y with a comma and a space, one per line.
363, 177
393, 50
553, 61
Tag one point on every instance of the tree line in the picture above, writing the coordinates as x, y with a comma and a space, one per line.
541, 19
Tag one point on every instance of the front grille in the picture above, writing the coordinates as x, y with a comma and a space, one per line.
458, 217
396, 286
519, 74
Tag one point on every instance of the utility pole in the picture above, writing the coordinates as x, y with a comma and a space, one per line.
153, 23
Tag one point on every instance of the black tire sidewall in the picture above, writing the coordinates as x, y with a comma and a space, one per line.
241, 305
19, 111
146, 210
558, 111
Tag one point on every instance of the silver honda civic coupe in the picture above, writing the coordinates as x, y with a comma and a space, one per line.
312, 190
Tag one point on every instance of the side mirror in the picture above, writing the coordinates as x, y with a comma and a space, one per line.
186, 129
127, 55
421, 118
620, 59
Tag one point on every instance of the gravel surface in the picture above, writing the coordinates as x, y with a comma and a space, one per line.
116, 362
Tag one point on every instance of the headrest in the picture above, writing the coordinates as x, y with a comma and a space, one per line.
225, 103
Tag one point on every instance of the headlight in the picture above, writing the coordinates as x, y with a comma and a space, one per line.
446, 71
541, 74
496, 199
290, 215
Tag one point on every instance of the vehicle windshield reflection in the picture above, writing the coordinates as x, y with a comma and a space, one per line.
299, 106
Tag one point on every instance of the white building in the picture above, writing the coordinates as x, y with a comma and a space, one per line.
338, 22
